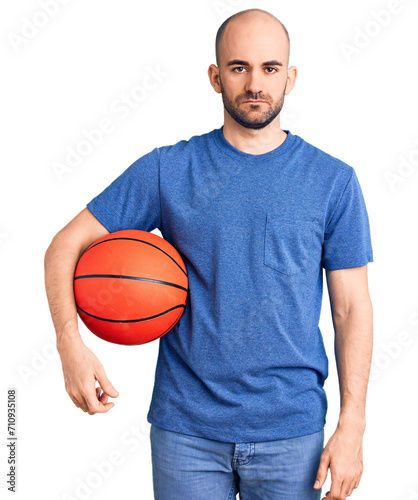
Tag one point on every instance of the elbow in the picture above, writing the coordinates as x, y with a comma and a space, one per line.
49, 251
360, 309
57, 242
361, 304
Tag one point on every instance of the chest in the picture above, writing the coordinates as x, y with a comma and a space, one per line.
264, 213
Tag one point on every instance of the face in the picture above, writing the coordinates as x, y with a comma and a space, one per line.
253, 66
252, 115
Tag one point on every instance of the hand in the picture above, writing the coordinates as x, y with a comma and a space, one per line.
343, 454
81, 370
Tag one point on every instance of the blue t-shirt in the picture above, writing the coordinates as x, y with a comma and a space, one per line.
246, 361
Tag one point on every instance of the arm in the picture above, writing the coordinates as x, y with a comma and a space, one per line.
80, 366
352, 317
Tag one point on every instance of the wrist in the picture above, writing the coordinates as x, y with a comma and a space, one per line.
66, 337
353, 420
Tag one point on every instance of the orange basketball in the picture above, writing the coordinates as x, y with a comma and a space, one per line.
130, 287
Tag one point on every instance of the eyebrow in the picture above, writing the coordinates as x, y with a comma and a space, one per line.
245, 63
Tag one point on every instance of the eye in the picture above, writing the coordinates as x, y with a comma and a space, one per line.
267, 67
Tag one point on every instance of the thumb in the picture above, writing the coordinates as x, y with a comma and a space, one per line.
322, 472
106, 384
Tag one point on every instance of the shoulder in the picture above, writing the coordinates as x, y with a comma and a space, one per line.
184, 147
328, 166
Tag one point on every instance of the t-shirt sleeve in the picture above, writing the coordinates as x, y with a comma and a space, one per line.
347, 241
132, 200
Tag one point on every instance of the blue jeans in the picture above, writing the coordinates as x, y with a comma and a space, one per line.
193, 468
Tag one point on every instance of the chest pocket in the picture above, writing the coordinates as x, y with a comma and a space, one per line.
288, 244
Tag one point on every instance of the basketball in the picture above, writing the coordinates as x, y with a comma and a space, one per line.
130, 287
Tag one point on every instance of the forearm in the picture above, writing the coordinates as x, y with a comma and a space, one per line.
353, 352
60, 261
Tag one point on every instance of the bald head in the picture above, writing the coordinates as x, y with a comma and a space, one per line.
259, 17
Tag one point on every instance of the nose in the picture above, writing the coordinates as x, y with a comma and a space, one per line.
254, 83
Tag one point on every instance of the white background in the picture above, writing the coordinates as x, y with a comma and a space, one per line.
65, 78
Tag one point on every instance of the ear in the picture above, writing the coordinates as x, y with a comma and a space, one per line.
292, 74
213, 73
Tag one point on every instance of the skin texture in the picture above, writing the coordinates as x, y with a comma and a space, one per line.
352, 316
256, 37
81, 368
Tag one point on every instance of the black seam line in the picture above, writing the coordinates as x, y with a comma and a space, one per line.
130, 320
129, 278
141, 241
168, 329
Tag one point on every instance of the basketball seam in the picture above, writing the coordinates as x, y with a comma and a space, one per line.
141, 241
167, 330
131, 320
139, 278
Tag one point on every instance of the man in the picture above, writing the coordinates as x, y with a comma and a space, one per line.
256, 213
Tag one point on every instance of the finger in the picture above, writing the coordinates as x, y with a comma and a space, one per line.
351, 488
75, 401
83, 403
103, 397
322, 472
105, 383
83, 399
96, 406
336, 490
357, 479
345, 489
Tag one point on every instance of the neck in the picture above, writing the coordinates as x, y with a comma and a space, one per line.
253, 141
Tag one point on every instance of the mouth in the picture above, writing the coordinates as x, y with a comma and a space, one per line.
255, 102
